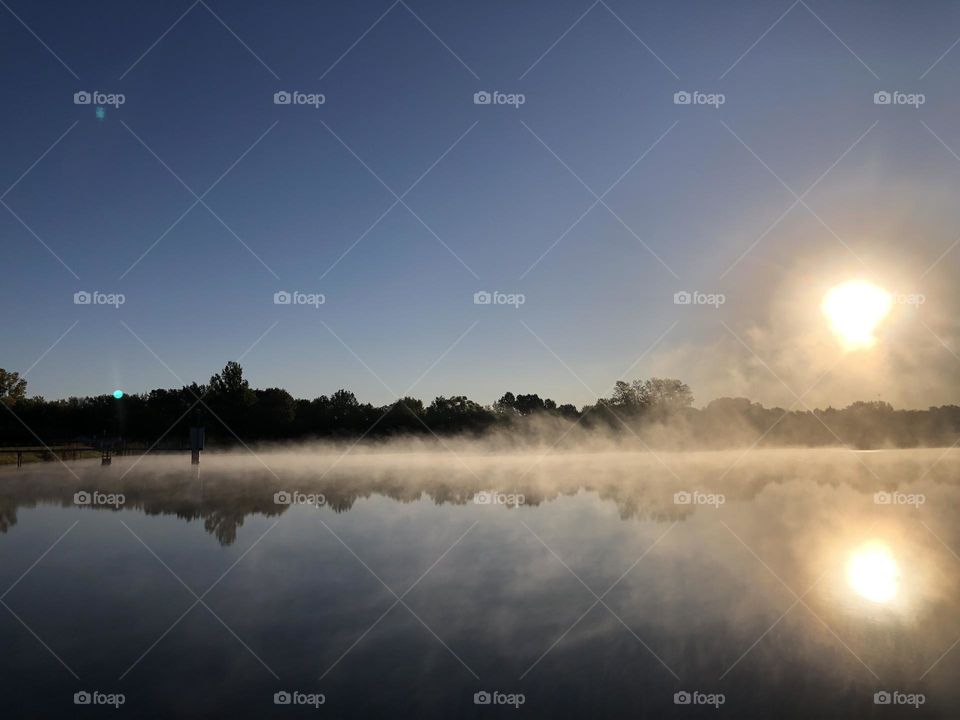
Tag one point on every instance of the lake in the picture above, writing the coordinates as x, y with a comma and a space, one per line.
298, 583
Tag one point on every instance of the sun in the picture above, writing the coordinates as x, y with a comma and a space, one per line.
872, 572
854, 309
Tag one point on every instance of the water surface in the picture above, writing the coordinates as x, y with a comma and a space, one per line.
785, 587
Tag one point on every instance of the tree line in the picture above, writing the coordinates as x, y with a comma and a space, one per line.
656, 410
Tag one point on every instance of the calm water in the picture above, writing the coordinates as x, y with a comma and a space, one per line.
784, 588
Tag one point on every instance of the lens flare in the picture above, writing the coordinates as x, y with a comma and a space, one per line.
872, 572
854, 310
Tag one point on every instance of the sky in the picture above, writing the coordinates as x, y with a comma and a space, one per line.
586, 195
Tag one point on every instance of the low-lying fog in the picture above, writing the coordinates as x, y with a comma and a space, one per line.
753, 571
641, 483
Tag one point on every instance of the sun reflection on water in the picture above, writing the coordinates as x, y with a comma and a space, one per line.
872, 572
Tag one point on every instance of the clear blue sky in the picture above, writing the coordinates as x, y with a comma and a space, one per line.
399, 80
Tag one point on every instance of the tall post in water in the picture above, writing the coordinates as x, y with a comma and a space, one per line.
196, 444
105, 449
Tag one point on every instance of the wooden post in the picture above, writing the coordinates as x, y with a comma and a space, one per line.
196, 444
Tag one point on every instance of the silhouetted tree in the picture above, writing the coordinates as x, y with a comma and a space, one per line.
568, 411
12, 387
457, 413
405, 415
231, 399
624, 396
506, 405
664, 394
529, 404
272, 413
229, 382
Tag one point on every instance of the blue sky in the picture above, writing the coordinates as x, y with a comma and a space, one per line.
501, 206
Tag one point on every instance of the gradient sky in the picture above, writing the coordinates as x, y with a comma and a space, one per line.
399, 80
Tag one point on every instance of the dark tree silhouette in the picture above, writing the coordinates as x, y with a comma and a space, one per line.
506, 405
237, 412
231, 400
12, 387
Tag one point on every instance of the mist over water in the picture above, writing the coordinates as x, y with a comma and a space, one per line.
806, 580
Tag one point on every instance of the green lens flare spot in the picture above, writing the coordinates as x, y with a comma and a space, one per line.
118, 394
101, 113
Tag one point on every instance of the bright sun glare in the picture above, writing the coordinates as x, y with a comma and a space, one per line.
854, 309
872, 572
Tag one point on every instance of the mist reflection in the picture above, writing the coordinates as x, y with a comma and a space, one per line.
232, 487
712, 602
